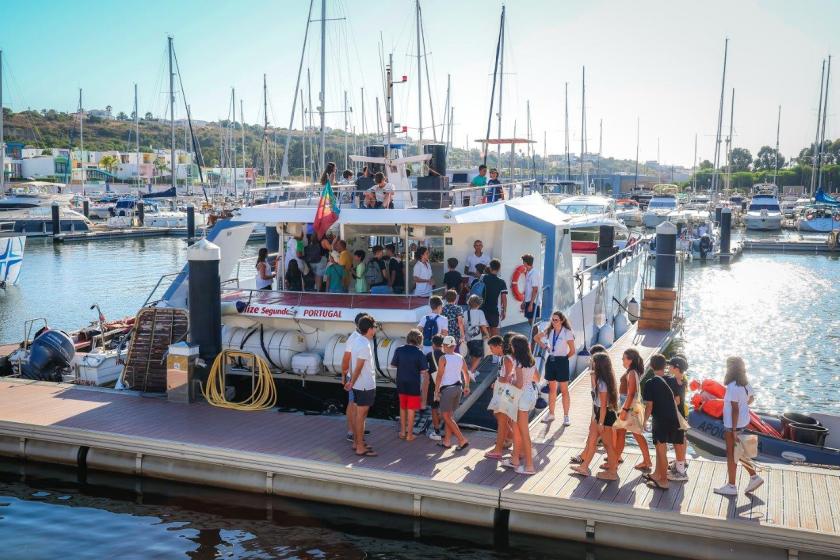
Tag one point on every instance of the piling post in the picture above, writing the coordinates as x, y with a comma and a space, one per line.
718, 210
56, 219
205, 301
606, 246
666, 256
190, 224
86, 207
141, 212
725, 234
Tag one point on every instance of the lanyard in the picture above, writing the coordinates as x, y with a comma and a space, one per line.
554, 337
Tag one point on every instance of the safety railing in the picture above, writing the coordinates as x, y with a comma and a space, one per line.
611, 263
157, 286
351, 300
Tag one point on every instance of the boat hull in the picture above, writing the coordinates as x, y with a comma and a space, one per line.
11, 258
652, 220
772, 222
818, 225
707, 432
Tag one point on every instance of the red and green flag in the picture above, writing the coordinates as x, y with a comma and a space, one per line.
327, 213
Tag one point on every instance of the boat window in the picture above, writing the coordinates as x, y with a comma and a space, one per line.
581, 209
757, 207
663, 203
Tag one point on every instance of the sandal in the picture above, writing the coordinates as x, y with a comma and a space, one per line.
581, 470
410, 437
576, 460
642, 467
493, 455
653, 483
445, 446
368, 453
526, 471
462, 446
508, 465
604, 476
402, 436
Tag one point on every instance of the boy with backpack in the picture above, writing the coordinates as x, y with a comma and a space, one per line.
477, 332
376, 273
432, 324
433, 358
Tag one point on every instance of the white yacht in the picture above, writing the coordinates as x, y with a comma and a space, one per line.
12, 245
34, 194
588, 214
658, 209
629, 211
764, 212
125, 214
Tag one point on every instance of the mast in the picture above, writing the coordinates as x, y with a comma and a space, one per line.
501, 86
584, 184
323, 96
824, 114
232, 139
545, 153
419, 82
636, 180
378, 119
82, 139
444, 135
311, 125
242, 118
528, 129
568, 155
729, 143
694, 167
2, 141
284, 168
304, 139
776, 156
136, 133
346, 159
364, 125
817, 133
720, 120
172, 115
428, 75
600, 146
451, 134
265, 131
499, 47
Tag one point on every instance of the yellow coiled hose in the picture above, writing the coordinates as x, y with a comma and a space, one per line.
264, 395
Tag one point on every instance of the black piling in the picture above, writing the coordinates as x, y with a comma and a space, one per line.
56, 219
190, 224
718, 210
141, 213
205, 302
725, 234
86, 208
666, 256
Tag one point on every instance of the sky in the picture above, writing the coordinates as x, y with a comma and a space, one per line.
658, 61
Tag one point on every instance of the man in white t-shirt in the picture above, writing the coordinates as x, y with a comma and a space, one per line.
437, 324
533, 285
362, 382
475, 258
346, 361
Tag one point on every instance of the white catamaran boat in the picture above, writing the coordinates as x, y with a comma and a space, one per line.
763, 212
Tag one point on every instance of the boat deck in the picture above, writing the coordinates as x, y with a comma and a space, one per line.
795, 513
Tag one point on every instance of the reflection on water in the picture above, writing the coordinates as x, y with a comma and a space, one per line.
46, 512
781, 313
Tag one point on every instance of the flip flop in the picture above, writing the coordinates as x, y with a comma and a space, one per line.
581, 470
493, 455
368, 453
643, 468
462, 447
507, 464
605, 476
402, 436
576, 460
441, 444
653, 483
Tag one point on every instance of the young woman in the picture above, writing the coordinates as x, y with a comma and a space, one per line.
525, 378
506, 374
423, 284
294, 277
736, 416
628, 387
328, 174
451, 382
604, 401
265, 276
558, 341
594, 349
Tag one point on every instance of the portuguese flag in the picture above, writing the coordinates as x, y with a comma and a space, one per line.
327, 213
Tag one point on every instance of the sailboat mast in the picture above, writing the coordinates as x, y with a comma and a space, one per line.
428, 75
311, 126
323, 96
600, 146
528, 129
694, 167
265, 130
242, 118
729, 143
304, 139
172, 115
451, 120
364, 124
419, 81
568, 155
493, 94
720, 120
501, 87
822, 134
776, 155
136, 133
232, 138
636, 180
817, 133
584, 184
82, 139
284, 168
2, 140
346, 159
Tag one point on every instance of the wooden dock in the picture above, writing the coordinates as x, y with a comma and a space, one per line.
796, 514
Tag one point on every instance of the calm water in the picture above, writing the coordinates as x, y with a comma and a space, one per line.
46, 512
781, 313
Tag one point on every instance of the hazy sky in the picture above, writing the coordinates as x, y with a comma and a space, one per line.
658, 60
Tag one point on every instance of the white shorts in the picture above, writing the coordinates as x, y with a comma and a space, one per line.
528, 399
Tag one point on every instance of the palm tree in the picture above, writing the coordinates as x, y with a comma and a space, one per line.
109, 162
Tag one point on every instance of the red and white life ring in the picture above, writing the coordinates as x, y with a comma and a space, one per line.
514, 282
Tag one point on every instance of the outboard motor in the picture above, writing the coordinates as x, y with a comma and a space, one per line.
50, 353
705, 245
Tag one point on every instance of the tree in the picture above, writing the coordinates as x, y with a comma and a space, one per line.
767, 159
740, 159
706, 164
149, 116
122, 116
109, 162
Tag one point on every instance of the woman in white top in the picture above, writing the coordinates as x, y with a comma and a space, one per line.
736, 417
525, 378
423, 284
265, 276
558, 341
451, 382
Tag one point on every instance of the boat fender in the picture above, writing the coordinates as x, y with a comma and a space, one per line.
633, 310
620, 325
713, 407
713, 388
518, 273
606, 335
582, 361
264, 349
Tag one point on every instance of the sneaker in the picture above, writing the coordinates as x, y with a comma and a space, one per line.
349, 437
567, 421
727, 490
755, 482
677, 476
434, 436
548, 418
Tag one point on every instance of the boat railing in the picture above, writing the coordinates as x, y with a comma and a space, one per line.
614, 262
156, 288
349, 300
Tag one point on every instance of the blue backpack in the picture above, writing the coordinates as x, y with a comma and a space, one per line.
430, 329
477, 288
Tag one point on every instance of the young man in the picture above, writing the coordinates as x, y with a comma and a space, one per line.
495, 297
480, 180
477, 256
432, 324
363, 383
533, 284
346, 177
659, 404
453, 279
678, 381
454, 314
345, 260
432, 358
382, 192
396, 269
411, 364
346, 361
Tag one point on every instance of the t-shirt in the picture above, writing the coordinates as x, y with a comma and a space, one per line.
382, 267
291, 253
442, 325
423, 271
396, 269
532, 280
494, 192
361, 350
493, 288
452, 312
664, 412
741, 395
558, 341
473, 259
379, 192
453, 280
335, 276
479, 181
432, 358
596, 395
360, 285
409, 361
474, 319
679, 391
345, 260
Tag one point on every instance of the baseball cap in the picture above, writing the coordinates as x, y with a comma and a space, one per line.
449, 341
679, 362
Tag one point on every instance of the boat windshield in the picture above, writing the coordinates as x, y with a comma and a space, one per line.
663, 203
582, 209
628, 205
759, 206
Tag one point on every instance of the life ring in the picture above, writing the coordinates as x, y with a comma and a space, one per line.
809, 216
514, 282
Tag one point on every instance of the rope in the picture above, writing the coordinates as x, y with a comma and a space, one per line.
264, 395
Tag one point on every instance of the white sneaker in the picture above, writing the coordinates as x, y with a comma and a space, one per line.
434, 436
755, 482
727, 490
567, 421
549, 418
